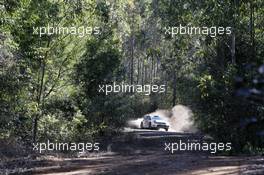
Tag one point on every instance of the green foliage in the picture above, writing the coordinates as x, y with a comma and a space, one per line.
210, 65
98, 66
50, 84
56, 128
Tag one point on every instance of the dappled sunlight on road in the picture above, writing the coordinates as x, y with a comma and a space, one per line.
181, 164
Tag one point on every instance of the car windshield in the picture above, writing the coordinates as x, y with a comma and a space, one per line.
156, 118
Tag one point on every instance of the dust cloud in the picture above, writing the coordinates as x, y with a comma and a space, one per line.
179, 119
135, 123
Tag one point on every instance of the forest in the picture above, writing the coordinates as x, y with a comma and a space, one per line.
55, 54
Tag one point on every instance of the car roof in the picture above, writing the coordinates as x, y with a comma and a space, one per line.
152, 116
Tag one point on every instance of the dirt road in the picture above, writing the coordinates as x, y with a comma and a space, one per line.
142, 152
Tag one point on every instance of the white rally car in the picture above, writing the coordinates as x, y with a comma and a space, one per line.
153, 122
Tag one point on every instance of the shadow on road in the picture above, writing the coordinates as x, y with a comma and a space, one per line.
142, 152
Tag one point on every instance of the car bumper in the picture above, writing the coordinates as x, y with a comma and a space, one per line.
160, 126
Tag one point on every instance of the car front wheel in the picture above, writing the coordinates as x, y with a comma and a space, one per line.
141, 125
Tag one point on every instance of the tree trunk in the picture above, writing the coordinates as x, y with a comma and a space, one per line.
132, 61
233, 48
40, 99
146, 74
233, 42
174, 89
142, 72
252, 30
35, 129
138, 71
132, 51
35, 121
151, 71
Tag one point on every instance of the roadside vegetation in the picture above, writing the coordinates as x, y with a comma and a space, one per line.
49, 84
